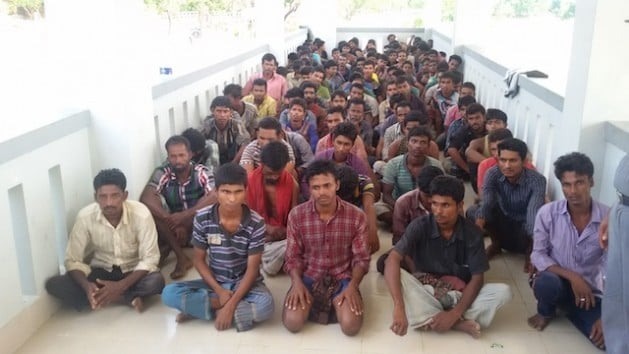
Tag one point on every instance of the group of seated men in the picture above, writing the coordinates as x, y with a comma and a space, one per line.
293, 174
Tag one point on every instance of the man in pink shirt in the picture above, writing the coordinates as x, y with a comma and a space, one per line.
276, 85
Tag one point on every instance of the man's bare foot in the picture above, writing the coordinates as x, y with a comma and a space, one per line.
138, 304
181, 268
164, 251
538, 322
470, 327
492, 250
183, 317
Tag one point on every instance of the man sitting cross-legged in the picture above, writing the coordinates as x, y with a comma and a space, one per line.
567, 254
112, 252
185, 187
272, 192
228, 240
446, 290
269, 129
327, 256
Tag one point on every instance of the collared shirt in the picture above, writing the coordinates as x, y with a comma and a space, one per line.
444, 103
389, 121
463, 255
268, 107
353, 161
301, 148
249, 117
229, 140
251, 153
182, 196
336, 82
488, 163
364, 186
327, 142
519, 201
454, 130
331, 247
557, 242
308, 128
390, 135
452, 114
276, 86
132, 245
461, 139
407, 208
366, 133
397, 174
228, 254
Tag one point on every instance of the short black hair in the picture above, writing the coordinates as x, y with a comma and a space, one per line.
449, 75
499, 135
574, 162
358, 86
330, 64
448, 186
274, 155
465, 101
195, 138
270, 123
416, 116
178, 140
356, 76
294, 92
308, 84
220, 101
337, 109
358, 102
320, 167
260, 82
456, 58
425, 177
346, 129
495, 113
402, 103
233, 90
230, 173
348, 181
516, 145
305, 70
404, 78
475, 108
338, 93
420, 131
269, 57
112, 176
469, 85
298, 101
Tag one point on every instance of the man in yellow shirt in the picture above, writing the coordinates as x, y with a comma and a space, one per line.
266, 105
112, 253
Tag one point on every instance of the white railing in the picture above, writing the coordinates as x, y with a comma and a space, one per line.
46, 178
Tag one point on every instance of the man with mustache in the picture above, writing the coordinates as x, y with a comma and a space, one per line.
230, 134
460, 140
512, 195
327, 255
185, 188
112, 251
272, 192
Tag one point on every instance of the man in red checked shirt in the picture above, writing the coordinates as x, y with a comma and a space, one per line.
327, 255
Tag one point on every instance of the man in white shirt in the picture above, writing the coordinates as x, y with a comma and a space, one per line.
121, 238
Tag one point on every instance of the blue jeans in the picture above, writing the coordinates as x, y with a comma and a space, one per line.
552, 291
193, 298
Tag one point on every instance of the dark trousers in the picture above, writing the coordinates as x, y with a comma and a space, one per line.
553, 291
508, 233
71, 294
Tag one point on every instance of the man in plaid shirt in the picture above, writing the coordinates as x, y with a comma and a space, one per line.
185, 187
327, 256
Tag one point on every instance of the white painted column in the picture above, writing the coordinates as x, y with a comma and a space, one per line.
321, 17
597, 85
270, 26
101, 57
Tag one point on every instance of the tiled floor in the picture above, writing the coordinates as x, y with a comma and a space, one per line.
118, 329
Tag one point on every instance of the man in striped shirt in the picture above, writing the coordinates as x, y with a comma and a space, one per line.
327, 255
228, 240
512, 195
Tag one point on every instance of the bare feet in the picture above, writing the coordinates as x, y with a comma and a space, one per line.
138, 304
538, 322
492, 250
181, 268
470, 327
183, 317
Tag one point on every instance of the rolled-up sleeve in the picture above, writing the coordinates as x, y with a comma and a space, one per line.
538, 193
541, 240
360, 248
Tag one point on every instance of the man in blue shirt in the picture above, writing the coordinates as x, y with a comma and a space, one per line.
567, 254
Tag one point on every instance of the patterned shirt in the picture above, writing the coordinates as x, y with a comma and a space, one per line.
229, 140
520, 201
301, 148
392, 133
249, 117
334, 247
210, 157
182, 196
397, 174
132, 245
407, 208
557, 241
228, 254
251, 153
364, 186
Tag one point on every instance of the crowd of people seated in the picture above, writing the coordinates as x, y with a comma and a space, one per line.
295, 172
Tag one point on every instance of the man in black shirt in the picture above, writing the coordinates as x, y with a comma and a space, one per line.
446, 290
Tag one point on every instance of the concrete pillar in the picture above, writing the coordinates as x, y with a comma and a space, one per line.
321, 17
100, 56
270, 26
597, 85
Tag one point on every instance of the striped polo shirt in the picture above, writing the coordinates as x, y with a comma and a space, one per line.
228, 254
396, 173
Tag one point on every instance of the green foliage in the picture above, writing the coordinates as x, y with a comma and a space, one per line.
349, 8
27, 8
448, 10
563, 9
